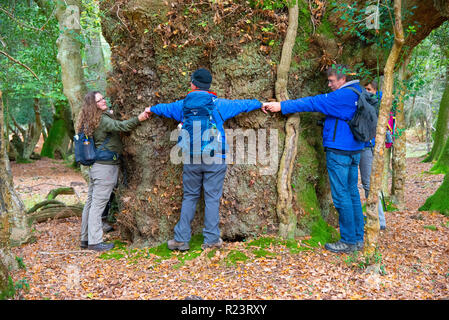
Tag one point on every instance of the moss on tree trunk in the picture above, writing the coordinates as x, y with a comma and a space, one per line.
441, 136
439, 201
60, 133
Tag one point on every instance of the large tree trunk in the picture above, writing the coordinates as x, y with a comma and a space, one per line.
372, 221
156, 45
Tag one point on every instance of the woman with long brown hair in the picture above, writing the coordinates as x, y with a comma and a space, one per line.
96, 120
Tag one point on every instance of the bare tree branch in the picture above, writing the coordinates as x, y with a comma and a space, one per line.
20, 63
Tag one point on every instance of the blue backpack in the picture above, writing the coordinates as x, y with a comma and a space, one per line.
86, 153
84, 149
199, 134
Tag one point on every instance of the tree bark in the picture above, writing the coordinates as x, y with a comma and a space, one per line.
441, 135
68, 14
439, 201
372, 221
399, 146
287, 217
6, 259
34, 132
60, 133
386, 174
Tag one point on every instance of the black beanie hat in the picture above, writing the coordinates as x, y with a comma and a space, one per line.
202, 78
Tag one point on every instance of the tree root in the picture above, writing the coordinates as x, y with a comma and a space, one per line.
54, 209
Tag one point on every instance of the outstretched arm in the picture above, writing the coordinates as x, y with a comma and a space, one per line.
231, 108
329, 104
169, 110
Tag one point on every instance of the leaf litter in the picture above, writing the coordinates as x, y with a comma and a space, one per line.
412, 261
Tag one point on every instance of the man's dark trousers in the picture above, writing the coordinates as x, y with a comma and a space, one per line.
343, 178
194, 177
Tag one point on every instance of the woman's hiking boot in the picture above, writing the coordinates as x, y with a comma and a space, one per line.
101, 246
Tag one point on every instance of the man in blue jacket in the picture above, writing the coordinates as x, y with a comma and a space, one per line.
342, 151
199, 173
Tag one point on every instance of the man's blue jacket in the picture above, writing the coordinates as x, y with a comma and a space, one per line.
338, 106
225, 109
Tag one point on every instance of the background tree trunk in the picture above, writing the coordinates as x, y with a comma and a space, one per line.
439, 201
69, 56
399, 146
60, 134
34, 132
441, 130
441, 135
6, 259
372, 221
386, 174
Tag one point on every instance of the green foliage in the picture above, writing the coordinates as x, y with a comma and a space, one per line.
13, 289
269, 4
439, 201
429, 61
360, 261
235, 257
20, 263
37, 50
321, 234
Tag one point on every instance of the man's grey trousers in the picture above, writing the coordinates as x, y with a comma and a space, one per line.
210, 178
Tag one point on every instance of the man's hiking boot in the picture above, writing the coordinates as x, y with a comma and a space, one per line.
217, 244
340, 247
101, 246
175, 245
359, 246
83, 244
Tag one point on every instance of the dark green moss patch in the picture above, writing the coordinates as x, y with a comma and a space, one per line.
439, 201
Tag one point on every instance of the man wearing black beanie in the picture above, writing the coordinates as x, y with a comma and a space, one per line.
202, 106
202, 79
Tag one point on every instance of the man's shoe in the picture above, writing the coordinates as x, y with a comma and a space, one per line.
217, 244
175, 245
383, 227
83, 245
101, 246
359, 246
340, 247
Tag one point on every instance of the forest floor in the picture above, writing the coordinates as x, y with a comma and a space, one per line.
413, 258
